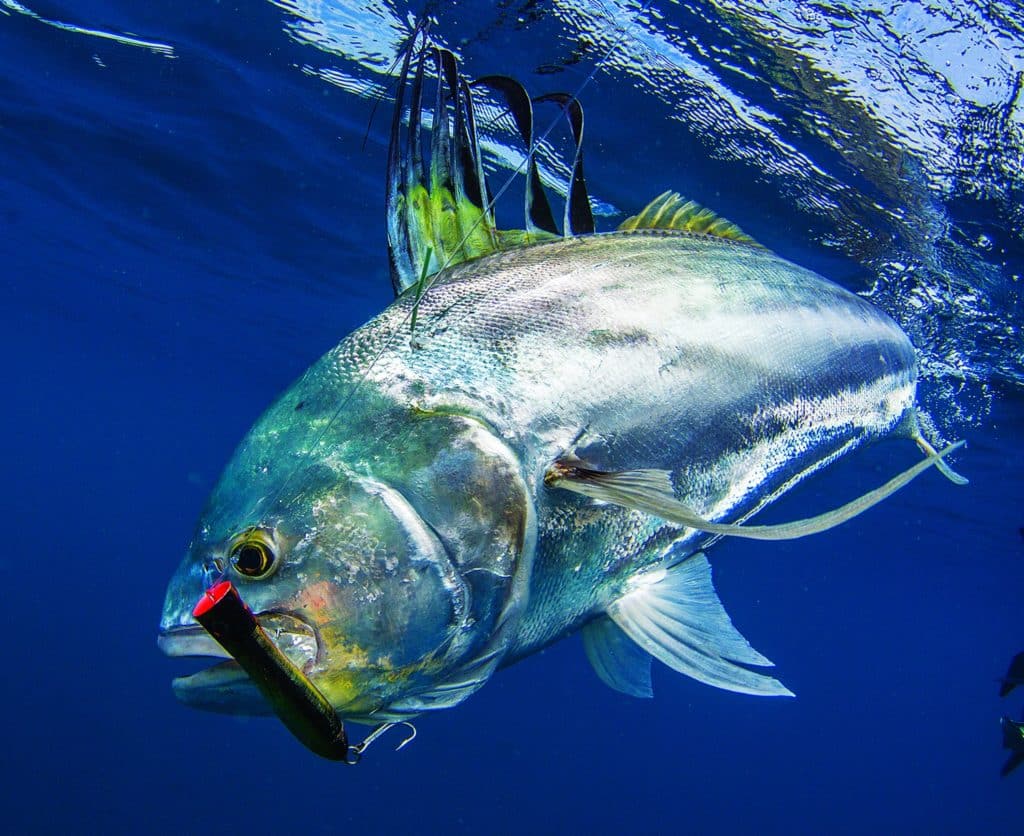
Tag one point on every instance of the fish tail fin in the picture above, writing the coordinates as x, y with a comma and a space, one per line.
1013, 739
1015, 760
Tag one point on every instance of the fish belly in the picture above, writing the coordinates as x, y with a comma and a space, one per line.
736, 370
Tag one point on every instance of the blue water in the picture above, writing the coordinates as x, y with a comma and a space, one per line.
188, 217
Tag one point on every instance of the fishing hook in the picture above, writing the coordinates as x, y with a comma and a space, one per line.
355, 753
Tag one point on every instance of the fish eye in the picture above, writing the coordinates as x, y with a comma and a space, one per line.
252, 553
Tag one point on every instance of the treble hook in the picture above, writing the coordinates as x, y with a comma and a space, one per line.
355, 753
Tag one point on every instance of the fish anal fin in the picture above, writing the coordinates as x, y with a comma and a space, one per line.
674, 615
669, 210
618, 661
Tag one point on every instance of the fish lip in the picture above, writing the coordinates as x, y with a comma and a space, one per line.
222, 685
192, 640
189, 642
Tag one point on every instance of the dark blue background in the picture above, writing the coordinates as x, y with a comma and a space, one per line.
178, 240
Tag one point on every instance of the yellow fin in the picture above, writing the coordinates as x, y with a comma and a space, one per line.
439, 209
670, 211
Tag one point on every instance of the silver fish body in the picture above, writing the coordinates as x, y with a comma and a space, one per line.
403, 476
736, 370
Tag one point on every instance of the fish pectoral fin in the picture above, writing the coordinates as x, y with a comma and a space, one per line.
618, 661
674, 615
652, 491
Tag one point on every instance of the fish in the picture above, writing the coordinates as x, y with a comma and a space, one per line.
1013, 740
1014, 675
544, 434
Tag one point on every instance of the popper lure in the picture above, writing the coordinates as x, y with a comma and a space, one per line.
295, 700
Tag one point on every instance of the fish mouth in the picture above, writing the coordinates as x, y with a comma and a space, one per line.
224, 687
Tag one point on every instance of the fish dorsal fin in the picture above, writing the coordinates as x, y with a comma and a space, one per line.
537, 210
653, 492
438, 215
671, 211
620, 662
579, 218
674, 614
440, 211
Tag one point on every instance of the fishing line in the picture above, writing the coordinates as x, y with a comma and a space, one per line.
377, 100
421, 29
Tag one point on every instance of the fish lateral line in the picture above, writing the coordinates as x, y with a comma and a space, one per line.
652, 491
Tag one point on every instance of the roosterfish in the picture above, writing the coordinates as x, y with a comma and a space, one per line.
542, 435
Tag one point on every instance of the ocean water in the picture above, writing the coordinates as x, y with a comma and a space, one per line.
191, 211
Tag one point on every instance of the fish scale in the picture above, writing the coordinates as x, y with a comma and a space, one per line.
540, 437
713, 361
523, 359
526, 350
